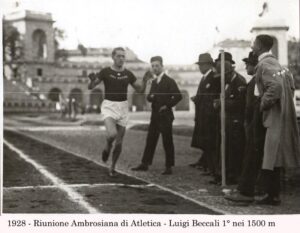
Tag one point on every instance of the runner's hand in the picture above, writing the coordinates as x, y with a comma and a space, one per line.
92, 77
147, 76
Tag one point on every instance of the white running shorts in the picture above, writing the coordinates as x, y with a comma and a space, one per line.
116, 110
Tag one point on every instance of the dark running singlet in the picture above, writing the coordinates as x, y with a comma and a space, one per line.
116, 83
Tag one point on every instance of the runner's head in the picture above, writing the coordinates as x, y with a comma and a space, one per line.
118, 56
157, 65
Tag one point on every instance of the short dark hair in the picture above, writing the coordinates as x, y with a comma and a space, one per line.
117, 49
266, 41
157, 58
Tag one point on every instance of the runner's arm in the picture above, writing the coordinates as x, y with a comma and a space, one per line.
140, 87
95, 79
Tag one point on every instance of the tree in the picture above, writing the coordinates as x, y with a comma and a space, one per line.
12, 47
82, 49
59, 35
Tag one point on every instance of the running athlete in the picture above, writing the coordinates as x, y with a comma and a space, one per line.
115, 105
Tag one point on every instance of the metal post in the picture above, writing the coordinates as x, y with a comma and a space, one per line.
222, 97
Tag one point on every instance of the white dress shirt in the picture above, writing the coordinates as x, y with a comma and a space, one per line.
158, 78
206, 74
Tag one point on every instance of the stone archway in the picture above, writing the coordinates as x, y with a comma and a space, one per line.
77, 94
54, 94
96, 98
39, 44
139, 101
184, 104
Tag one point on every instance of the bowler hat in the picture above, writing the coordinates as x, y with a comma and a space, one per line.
204, 58
252, 59
227, 56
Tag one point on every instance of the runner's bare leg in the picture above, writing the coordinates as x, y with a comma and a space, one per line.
111, 133
118, 146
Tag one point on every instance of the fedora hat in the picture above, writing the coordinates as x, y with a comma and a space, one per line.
228, 57
204, 58
252, 59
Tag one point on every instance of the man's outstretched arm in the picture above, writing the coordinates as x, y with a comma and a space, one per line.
94, 80
140, 87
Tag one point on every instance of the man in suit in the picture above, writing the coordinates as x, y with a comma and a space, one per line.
235, 90
255, 138
275, 87
204, 135
164, 94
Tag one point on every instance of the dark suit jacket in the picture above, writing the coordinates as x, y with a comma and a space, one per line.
235, 98
167, 93
251, 101
204, 134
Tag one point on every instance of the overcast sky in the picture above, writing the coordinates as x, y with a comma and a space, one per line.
176, 29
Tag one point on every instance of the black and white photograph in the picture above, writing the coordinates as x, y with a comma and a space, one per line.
150, 108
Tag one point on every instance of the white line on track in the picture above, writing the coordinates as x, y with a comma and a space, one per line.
56, 128
73, 195
76, 186
200, 203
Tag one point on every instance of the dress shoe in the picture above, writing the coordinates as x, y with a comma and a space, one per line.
205, 173
259, 193
141, 167
217, 180
112, 173
238, 197
168, 171
231, 182
200, 167
197, 164
193, 164
268, 200
105, 155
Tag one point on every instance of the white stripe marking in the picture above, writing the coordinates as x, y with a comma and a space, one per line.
208, 206
56, 128
73, 195
77, 186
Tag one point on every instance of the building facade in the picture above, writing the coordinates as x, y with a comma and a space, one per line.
54, 80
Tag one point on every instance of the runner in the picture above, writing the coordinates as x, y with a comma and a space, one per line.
115, 105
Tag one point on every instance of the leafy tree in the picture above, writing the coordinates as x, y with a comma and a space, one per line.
12, 47
59, 35
82, 49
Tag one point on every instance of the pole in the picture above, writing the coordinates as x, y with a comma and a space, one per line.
222, 97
